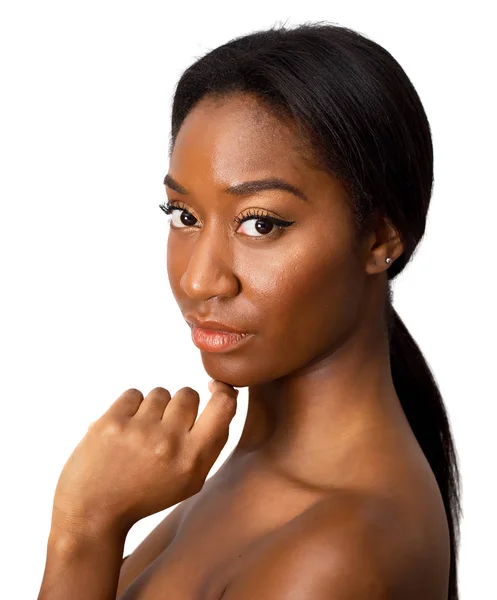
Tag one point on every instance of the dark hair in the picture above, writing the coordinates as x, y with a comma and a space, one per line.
364, 121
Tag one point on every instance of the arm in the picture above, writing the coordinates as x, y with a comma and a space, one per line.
134, 461
82, 565
78, 560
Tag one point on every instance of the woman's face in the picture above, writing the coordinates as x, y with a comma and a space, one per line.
297, 289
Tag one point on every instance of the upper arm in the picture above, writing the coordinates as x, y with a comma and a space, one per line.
150, 548
337, 558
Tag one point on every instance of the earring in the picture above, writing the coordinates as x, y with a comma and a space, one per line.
388, 260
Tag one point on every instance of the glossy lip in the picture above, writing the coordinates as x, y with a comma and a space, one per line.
212, 325
211, 340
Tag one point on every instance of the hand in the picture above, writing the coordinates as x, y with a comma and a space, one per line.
142, 456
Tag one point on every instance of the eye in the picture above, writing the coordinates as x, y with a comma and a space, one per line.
264, 224
184, 217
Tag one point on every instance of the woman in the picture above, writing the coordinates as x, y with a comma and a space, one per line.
300, 176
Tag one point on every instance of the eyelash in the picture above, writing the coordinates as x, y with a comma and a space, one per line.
258, 214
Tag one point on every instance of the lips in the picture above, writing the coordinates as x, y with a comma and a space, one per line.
210, 340
212, 325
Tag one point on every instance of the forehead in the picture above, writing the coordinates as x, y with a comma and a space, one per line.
231, 137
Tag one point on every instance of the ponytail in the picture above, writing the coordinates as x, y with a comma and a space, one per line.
424, 408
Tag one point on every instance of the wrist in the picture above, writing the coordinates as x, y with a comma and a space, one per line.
82, 562
67, 530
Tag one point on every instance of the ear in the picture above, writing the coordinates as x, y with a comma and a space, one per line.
384, 241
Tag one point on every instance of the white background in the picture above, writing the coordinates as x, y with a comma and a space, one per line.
86, 309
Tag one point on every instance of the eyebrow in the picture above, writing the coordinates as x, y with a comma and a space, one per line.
247, 187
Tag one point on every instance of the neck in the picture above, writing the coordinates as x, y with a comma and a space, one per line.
306, 423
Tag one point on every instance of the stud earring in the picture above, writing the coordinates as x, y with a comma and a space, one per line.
388, 260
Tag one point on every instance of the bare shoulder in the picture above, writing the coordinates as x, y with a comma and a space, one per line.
349, 546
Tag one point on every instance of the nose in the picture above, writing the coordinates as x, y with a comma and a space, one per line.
209, 272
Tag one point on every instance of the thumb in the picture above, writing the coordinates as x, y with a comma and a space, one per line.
213, 423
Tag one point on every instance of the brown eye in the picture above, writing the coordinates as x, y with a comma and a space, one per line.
264, 224
260, 225
184, 219
187, 218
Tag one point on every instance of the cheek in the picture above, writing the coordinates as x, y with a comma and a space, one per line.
307, 300
301, 299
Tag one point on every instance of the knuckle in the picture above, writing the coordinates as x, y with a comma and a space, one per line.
111, 427
226, 401
156, 399
165, 446
161, 449
188, 392
159, 392
133, 393
187, 397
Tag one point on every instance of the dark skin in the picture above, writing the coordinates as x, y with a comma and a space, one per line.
325, 429
309, 293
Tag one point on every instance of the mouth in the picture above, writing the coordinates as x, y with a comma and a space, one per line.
211, 340
211, 325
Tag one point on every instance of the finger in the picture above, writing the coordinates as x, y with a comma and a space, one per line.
182, 409
213, 423
127, 404
154, 404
